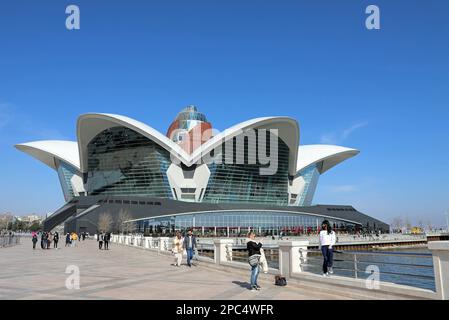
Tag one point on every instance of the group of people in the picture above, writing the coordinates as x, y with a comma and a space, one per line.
187, 243
47, 238
257, 260
103, 238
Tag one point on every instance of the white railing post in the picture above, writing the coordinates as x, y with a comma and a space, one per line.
136, 242
290, 254
440, 256
163, 243
148, 242
223, 250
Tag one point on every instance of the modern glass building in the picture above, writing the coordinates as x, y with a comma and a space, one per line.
238, 222
254, 175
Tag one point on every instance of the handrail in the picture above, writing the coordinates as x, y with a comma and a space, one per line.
373, 252
356, 262
381, 262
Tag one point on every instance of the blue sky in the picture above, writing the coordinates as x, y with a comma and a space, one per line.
384, 92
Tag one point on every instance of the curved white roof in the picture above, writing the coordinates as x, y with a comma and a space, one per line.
288, 131
49, 150
330, 155
91, 124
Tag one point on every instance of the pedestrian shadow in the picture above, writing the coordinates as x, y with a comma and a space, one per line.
242, 284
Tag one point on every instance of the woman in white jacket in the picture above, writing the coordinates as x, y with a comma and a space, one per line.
327, 241
177, 249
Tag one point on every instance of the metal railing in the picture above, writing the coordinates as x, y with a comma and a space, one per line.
413, 269
408, 268
342, 239
392, 266
9, 240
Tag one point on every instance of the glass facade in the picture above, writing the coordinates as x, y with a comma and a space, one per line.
239, 222
65, 174
243, 183
311, 176
123, 162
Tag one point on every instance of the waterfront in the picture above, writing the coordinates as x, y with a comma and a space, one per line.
126, 273
395, 264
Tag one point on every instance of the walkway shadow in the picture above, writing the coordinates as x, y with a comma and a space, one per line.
245, 285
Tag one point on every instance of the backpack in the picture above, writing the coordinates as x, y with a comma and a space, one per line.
280, 281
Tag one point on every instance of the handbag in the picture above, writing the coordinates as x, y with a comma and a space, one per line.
254, 260
280, 281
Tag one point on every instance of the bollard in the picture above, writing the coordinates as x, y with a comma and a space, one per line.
222, 250
290, 256
440, 256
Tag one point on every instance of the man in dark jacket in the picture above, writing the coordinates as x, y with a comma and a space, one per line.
67, 239
55, 240
189, 245
107, 237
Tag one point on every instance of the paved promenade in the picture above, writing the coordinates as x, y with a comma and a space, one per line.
124, 273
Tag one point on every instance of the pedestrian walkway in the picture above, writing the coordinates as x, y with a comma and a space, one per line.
124, 273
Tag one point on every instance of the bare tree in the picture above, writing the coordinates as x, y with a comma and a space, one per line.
429, 225
124, 225
5, 221
105, 222
407, 224
397, 223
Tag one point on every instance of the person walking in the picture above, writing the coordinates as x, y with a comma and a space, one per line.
178, 249
107, 237
43, 244
34, 240
55, 240
100, 240
189, 245
49, 239
254, 255
327, 241
67, 239
73, 239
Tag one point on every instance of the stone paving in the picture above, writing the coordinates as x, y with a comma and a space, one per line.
124, 273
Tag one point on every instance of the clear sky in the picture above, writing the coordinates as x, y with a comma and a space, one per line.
384, 92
